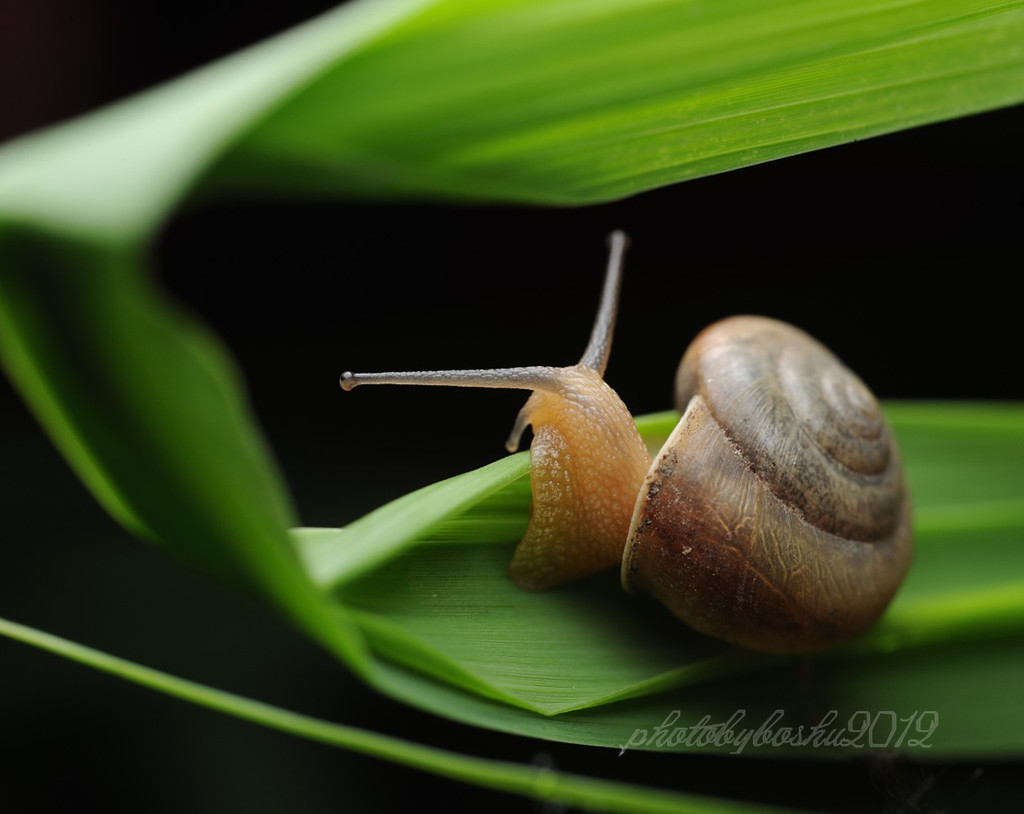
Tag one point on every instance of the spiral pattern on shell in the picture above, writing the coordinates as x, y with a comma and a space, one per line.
810, 428
777, 515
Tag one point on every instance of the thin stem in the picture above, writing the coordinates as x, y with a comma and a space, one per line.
532, 781
600, 347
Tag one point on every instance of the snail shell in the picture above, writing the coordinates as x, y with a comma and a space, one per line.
776, 515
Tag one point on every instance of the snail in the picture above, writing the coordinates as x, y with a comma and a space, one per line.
776, 516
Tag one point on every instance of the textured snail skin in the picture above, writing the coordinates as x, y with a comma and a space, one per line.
776, 515
587, 463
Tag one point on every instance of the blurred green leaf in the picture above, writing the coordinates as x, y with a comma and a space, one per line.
147, 407
536, 101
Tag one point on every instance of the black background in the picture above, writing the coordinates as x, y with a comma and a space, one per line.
902, 253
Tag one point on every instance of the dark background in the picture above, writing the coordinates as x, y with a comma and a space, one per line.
900, 252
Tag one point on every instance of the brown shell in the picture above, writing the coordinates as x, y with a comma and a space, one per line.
776, 516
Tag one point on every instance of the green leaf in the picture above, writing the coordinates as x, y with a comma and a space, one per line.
536, 101
438, 605
458, 508
570, 102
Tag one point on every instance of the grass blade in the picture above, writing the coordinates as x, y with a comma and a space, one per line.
545, 784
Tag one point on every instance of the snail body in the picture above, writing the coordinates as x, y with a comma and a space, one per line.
776, 516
